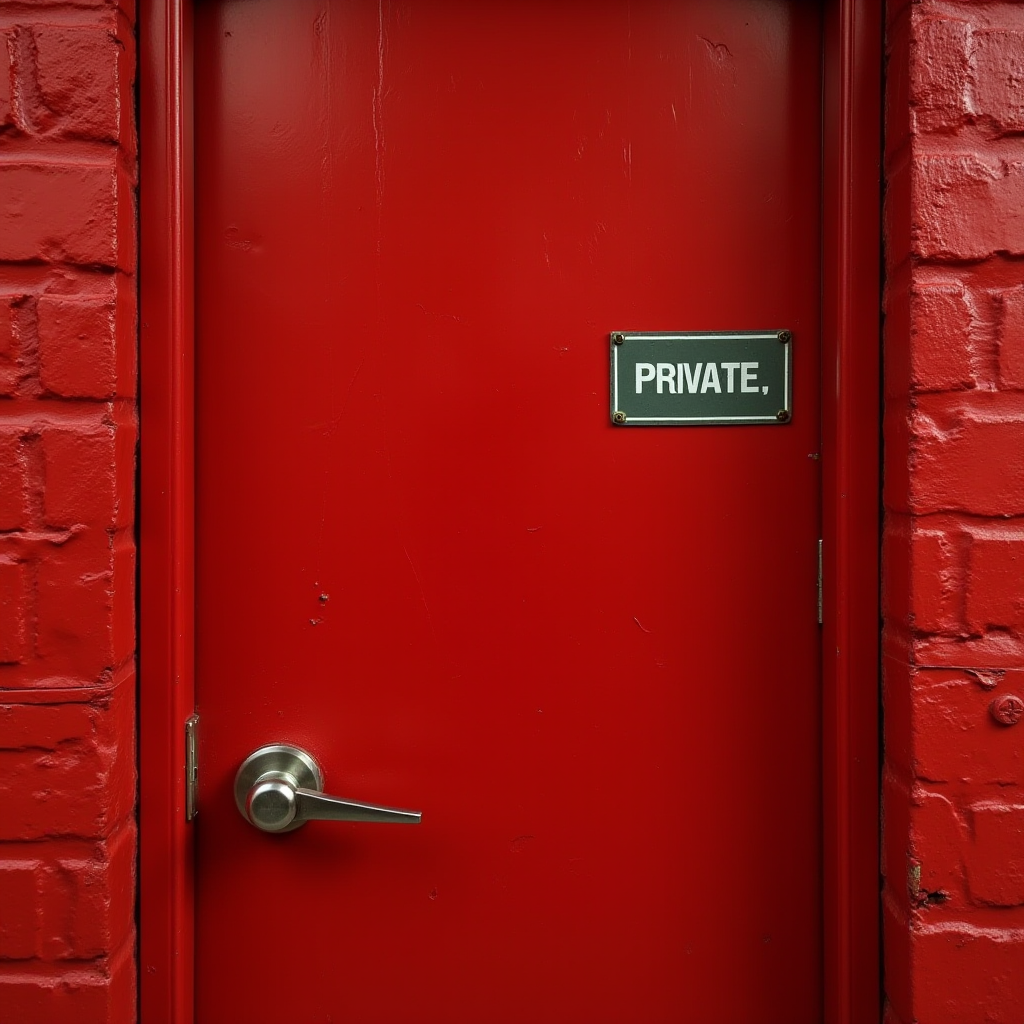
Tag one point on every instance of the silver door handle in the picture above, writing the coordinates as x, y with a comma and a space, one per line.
279, 787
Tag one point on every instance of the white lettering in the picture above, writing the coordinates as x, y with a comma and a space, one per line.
731, 369
748, 378
710, 379
667, 375
691, 382
644, 371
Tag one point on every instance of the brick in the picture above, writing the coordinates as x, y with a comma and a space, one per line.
942, 319
80, 474
967, 455
14, 496
995, 582
1010, 338
79, 213
926, 594
937, 838
931, 341
7, 114
80, 784
96, 995
967, 207
14, 610
19, 899
122, 618
77, 345
8, 349
939, 68
964, 973
76, 607
995, 649
102, 897
995, 859
999, 78
952, 738
84, 75
76, 76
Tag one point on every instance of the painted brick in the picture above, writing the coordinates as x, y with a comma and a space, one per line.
967, 455
19, 900
952, 737
939, 70
926, 594
999, 78
76, 603
942, 321
8, 349
83, 79
67, 778
995, 649
1010, 339
6, 76
81, 474
102, 896
14, 612
67, 770
104, 994
967, 206
966, 973
937, 837
14, 496
995, 593
995, 860
77, 345
66, 212
68, 901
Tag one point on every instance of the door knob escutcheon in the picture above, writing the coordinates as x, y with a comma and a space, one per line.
279, 787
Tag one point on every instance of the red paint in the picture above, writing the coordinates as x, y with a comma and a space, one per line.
67, 559
849, 512
530, 616
166, 893
846, 930
953, 595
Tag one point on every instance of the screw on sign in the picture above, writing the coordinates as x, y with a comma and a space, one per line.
1008, 709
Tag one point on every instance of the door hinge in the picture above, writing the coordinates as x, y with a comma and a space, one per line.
191, 767
821, 596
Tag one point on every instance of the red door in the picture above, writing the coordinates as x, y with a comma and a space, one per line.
588, 653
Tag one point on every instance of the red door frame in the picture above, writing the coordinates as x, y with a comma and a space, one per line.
850, 463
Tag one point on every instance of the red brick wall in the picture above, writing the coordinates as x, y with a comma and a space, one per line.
67, 556
953, 550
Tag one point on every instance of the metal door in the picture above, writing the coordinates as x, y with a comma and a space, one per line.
425, 554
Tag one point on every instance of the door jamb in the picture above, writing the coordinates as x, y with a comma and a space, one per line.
851, 282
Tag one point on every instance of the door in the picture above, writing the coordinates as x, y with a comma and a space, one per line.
587, 652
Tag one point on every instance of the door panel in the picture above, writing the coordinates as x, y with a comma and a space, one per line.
588, 653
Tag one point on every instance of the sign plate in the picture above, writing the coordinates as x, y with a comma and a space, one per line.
700, 377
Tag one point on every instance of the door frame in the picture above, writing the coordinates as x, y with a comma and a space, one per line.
851, 413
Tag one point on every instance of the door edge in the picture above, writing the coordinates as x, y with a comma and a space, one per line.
166, 461
851, 407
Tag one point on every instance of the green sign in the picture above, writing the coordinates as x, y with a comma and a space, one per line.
700, 377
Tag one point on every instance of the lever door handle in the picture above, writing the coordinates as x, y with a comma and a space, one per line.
279, 787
